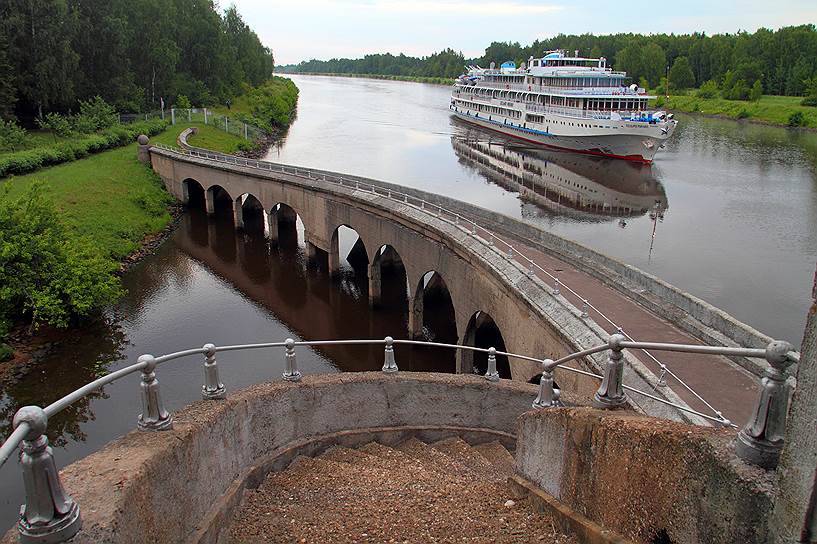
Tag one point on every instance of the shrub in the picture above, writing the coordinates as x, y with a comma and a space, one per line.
12, 136
743, 114
29, 160
56, 123
756, 91
46, 276
708, 89
96, 114
6, 352
182, 102
797, 119
809, 101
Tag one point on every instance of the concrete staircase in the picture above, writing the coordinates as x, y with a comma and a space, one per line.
448, 491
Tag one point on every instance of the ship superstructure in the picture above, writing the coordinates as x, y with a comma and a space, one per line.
570, 102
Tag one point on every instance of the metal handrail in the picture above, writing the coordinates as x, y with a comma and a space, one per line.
57, 516
488, 237
549, 365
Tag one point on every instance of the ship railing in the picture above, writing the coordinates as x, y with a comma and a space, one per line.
577, 91
485, 236
51, 515
577, 113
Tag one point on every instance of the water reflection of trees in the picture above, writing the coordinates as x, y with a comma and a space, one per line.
81, 358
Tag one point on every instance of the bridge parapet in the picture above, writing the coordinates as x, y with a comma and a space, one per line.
251, 432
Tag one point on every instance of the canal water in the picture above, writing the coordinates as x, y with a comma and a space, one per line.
728, 212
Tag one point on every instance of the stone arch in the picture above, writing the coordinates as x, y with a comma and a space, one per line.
432, 314
249, 213
218, 200
388, 279
283, 226
192, 193
483, 332
346, 244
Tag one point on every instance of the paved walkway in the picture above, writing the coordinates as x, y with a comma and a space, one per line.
726, 386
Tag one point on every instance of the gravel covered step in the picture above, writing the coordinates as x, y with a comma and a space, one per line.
460, 450
498, 456
383, 494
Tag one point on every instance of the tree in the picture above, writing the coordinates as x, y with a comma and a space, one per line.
680, 75
46, 276
708, 89
8, 91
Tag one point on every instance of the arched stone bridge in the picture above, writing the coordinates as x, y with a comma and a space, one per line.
483, 284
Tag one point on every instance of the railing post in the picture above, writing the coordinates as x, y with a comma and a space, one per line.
389, 365
547, 396
154, 417
212, 389
556, 287
585, 308
291, 372
761, 440
491, 374
611, 393
49, 514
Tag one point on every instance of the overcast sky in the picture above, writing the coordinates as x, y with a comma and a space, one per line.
305, 29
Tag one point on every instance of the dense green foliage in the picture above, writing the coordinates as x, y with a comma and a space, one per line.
29, 160
267, 106
446, 63
782, 60
46, 275
680, 75
54, 53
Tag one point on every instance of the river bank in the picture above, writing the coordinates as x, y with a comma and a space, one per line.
769, 110
119, 204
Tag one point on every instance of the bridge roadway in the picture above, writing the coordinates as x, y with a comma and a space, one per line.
532, 319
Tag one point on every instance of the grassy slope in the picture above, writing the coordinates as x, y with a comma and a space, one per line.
111, 197
769, 109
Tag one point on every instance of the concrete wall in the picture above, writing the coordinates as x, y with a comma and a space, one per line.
646, 478
532, 321
163, 486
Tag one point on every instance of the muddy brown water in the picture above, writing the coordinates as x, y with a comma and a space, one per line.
728, 212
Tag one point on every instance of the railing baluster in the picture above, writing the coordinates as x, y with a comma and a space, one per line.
389, 364
761, 440
154, 417
49, 513
291, 374
491, 373
610, 393
212, 389
547, 395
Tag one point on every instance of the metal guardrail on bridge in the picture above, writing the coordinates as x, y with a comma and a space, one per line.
51, 515
469, 226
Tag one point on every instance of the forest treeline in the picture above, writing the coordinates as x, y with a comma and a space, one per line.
781, 60
132, 53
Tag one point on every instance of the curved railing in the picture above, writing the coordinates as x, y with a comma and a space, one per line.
50, 515
467, 225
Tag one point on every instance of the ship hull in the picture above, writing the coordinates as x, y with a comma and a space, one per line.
632, 147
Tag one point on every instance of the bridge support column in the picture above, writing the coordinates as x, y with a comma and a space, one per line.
375, 285
238, 214
465, 361
311, 253
210, 202
415, 316
334, 257
272, 231
185, 193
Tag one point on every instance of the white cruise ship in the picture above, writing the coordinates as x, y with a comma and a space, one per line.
566, 102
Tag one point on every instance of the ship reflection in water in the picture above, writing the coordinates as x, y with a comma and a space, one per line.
585, 188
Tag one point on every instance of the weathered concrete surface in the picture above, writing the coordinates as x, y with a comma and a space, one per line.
532, 321
644, 477
159, 487
795, 510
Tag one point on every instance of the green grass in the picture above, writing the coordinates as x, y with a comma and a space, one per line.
207, 136
113, 199
769, 109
